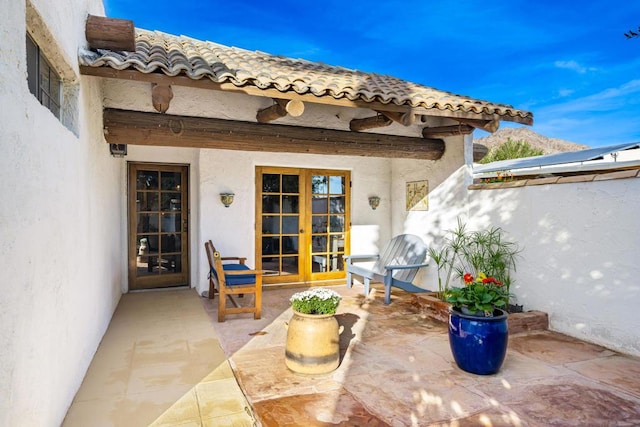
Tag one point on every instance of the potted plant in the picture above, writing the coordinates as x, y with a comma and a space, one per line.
482, 262
313, 334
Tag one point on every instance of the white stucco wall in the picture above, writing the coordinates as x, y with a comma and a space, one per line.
216, 171
579, 261
60, 219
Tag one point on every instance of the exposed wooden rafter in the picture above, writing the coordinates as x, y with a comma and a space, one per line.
405, 119
110, 33
280, 108
161, 96
373, 122
205, 83
138, 128
489, 125
445, 131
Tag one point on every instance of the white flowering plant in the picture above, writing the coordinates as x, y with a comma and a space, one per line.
316, 301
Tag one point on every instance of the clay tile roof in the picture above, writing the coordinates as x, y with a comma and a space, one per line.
181, 55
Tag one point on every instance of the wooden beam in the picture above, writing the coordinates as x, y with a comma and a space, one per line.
293, 107
373, 122
206, 83
271, 113
445, 131
405, 119
137, 128
161, 96
110, 33
489, 125
281, 108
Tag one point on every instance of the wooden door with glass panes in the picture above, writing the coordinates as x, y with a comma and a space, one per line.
302, 225
158, 219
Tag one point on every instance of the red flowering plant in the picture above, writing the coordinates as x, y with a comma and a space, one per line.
483, 261
479, 294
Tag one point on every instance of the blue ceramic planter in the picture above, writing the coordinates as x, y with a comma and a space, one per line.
478, 344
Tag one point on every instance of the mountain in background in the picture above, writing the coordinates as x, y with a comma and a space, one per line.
535, 140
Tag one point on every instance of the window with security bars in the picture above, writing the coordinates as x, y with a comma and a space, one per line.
44, 82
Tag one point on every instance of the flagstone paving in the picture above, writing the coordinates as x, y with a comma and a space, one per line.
166, 361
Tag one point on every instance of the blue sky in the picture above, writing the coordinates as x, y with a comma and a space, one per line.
568, 63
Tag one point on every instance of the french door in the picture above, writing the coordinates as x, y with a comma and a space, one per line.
158, 220
302, 223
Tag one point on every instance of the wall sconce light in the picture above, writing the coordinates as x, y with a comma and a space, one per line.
226, 199
118, 150
374, 201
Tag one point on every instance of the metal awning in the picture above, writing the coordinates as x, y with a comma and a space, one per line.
569, 158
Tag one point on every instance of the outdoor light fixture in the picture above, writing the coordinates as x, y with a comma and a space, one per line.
118, 150
226, 199
374, 201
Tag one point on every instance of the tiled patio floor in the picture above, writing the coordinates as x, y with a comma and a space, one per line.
163, 361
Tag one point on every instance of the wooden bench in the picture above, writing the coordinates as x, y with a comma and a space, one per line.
397, 265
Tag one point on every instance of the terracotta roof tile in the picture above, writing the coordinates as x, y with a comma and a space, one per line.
180, 55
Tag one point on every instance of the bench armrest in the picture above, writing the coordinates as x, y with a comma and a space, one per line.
404, 267
234, 258
360, 257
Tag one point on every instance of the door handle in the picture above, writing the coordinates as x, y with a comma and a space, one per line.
301, 231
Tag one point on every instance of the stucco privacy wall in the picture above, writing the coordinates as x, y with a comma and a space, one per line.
59, 221
447, 198
580, 258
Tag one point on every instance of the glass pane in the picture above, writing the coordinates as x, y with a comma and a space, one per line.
319, 224
270, 183
290, 225
289, 244
147, 223
337, 223
336, 185
337, 204
170, 181
32, 66
170, 202
290, 265
290, 184
170, 223
270, 224
319, 244
289, 204
55, 109
271, 204
147, 180
336, 262
44, 75
55, 89
337, 243
270, 245
319, 204
271, 263
171, 243
319, 185
152, 243
173, 264
147, 265
147, 201
319, 263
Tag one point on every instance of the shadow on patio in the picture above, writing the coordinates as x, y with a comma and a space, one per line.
396, 369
